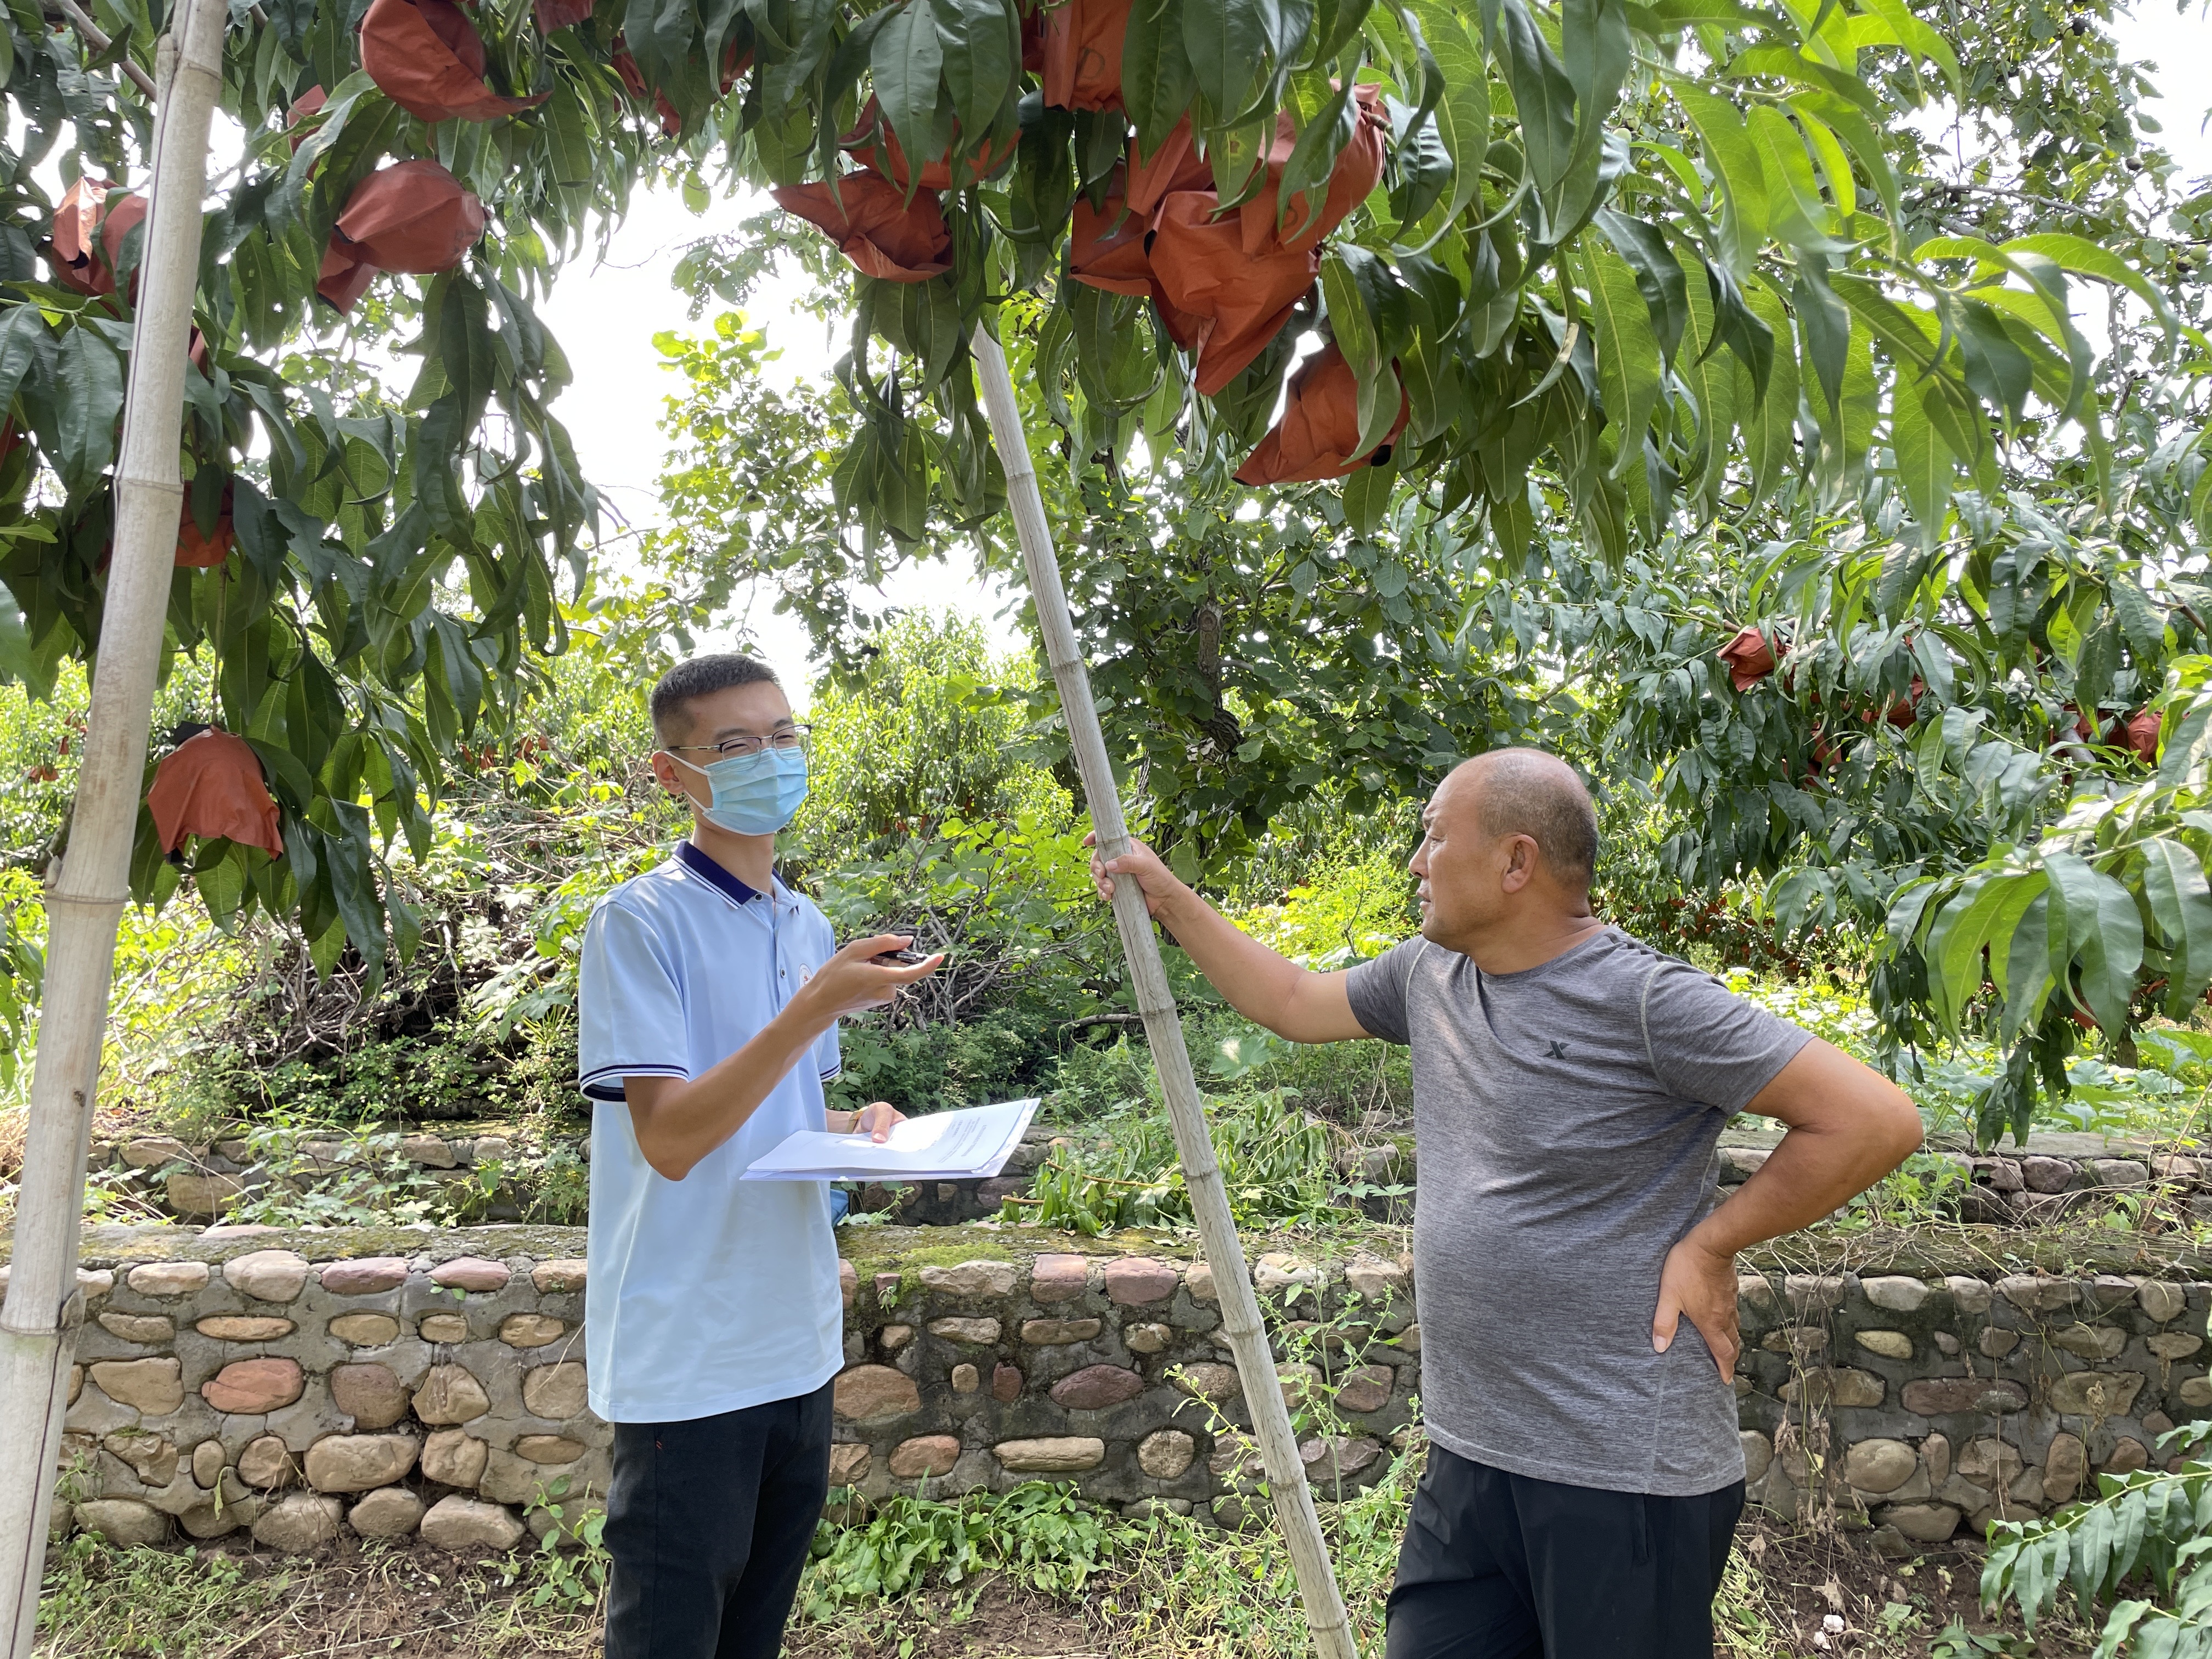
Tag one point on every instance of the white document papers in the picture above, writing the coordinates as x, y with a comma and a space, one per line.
962, 1146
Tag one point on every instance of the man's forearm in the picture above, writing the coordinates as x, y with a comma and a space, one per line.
1257, 982
1810, 1176
679, 1122
1849, 1127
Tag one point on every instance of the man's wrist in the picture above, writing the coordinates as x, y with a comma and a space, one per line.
1705, 1240
1178, 904
803, 1014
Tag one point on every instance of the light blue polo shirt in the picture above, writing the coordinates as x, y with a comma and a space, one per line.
706, 1294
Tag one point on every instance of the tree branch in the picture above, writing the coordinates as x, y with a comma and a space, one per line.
98, 40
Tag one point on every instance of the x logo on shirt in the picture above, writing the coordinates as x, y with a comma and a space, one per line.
1558, 1051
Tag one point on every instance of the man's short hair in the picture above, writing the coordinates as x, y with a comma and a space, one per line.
1527, 791
702, 676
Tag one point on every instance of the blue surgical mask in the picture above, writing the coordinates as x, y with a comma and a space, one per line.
753, 795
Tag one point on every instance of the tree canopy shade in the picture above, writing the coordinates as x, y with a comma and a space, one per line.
1951, 517
1619, 268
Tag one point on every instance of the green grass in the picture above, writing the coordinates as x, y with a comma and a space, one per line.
104, 1603
101, 1603
1196, 1592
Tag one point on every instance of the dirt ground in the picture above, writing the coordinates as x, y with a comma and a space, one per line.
1889, 1609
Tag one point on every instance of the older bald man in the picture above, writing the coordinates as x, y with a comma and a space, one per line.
1576, 1280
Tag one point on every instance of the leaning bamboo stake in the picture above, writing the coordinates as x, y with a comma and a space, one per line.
1209, 1200
86, 895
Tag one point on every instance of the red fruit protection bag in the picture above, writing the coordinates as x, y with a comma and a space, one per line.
208, 785
875, 226
426, 56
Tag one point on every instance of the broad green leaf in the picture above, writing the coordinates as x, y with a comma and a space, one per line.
1955, 938
1367, 497
1982, 915
2188, 744
90, 375
18, 659
1934, 660
1226, 41
25, 344
1658, 273
1771, 429
2105, 932
1732, 160
1360, 305
1907, 333
1908, 908
1925, 466
2086, 258
1417, 59
905, 63
1157, 82
1729, 14
2181, 905
1738, 327
1798, 214
1336, 25
2139, 618
982, 45
1997, 370
1918, 36
1595, 49
1463, 112
1856, 131
1629, 368
1711, 380
222, 884
1542, 94
1828, 151
1823, 330
2026, 975
1314, 155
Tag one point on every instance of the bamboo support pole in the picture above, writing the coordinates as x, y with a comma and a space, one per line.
1209, 1199
87, 892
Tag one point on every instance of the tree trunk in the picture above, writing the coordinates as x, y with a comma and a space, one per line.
86, 895
1232, 1279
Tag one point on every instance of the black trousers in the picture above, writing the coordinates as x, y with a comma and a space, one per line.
708, 1522
1504, 1566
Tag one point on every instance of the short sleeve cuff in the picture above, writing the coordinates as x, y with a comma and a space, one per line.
605, 1082
1376, 993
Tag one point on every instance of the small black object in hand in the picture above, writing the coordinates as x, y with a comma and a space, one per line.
900, 957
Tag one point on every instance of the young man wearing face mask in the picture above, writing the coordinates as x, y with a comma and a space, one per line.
708, 1007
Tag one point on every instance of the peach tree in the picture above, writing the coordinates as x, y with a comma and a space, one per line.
1604, 270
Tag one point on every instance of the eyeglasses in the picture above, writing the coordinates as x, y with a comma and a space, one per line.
783, 741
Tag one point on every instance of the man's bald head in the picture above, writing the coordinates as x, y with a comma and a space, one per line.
1526, 791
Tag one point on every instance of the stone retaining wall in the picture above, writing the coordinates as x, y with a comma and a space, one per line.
2054, 1176
1931, 1402
299, 1382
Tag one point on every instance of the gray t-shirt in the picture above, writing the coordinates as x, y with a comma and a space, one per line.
1566, 1118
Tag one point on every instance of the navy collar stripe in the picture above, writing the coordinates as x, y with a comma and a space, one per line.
713, 874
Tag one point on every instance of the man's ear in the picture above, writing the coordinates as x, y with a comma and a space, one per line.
1520, 864
665, 774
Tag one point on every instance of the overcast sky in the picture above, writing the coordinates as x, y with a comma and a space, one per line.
606, 317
